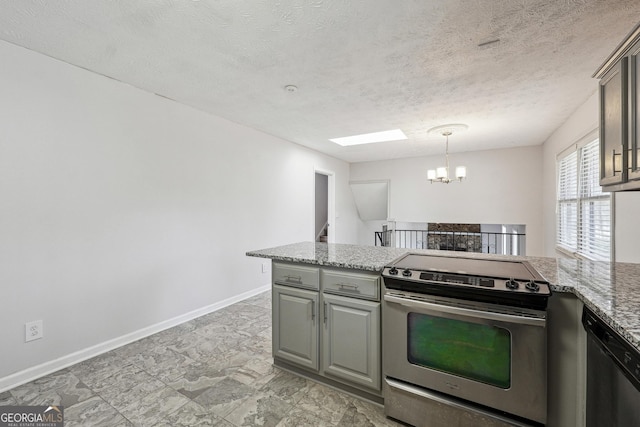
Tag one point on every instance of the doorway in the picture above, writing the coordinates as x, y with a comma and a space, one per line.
324, 210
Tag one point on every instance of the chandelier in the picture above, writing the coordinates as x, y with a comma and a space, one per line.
441, 174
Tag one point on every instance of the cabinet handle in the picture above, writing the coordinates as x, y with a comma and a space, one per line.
293, 279
348, 287
613, 159
325, 313
313, 312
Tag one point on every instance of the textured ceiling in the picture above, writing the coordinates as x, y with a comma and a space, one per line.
360, 65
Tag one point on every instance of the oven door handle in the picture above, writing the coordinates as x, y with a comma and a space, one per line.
487, 315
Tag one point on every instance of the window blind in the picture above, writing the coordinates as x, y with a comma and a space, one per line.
584, 211
567, 231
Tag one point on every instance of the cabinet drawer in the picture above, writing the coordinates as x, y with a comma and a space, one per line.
351, 284
295, 275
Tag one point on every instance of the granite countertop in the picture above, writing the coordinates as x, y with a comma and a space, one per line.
371, 258
611, 290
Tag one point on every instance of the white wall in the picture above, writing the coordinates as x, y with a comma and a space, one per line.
627, 233
503, 187
120, 209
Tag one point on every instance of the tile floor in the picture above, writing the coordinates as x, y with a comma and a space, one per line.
215, 370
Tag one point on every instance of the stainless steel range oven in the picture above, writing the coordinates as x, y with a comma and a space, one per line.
464, 342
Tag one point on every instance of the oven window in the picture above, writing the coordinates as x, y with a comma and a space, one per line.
478, 352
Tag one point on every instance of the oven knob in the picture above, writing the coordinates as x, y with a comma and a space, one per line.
393, 271
512, 284
406, 273
532, 286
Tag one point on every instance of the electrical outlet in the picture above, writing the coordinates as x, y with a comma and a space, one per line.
265, 267
33, 331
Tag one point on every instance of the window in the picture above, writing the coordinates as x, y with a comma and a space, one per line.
583, 210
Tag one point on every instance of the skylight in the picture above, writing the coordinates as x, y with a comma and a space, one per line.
370, 138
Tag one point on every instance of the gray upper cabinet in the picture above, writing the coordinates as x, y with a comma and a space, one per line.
613, 125
620, 116
634, 111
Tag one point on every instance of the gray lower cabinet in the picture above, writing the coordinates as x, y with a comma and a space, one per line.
351, 340
295, 326
327, 321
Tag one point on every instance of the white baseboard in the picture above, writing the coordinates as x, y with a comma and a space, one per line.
51, 366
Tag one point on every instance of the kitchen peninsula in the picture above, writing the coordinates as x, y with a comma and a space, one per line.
608, 289
327, 312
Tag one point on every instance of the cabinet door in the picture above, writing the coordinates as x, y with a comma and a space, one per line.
634, 112
351, 340
613, 125
295, 326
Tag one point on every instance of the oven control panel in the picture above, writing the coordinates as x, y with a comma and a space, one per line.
459, 279
511, 285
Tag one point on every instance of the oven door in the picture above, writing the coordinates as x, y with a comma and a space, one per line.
478, 352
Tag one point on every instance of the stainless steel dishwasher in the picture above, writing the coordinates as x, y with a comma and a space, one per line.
613, 376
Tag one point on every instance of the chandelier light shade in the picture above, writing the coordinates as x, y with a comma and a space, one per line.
441, 174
